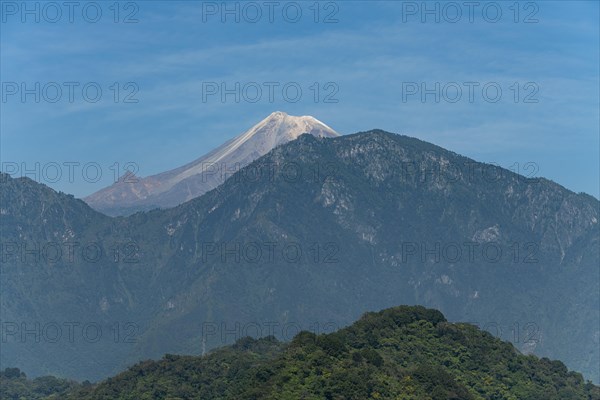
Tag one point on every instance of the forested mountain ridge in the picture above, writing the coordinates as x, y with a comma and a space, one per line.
377, 218
398, 353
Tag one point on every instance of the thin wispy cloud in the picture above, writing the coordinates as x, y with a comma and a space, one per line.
370, 54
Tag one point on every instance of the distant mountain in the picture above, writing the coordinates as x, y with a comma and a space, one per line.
307, 237
398, 353
168, 189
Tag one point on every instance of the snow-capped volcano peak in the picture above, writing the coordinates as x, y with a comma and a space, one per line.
279, 128
174, 187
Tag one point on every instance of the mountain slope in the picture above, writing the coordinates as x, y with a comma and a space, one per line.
373, 216
315, 233
398, 353
168, 189
49, 270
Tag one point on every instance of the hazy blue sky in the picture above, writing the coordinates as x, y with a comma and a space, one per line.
366, 56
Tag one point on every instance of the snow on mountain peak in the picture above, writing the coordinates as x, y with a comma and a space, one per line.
173, 187
284, 127
278, 128
277, 114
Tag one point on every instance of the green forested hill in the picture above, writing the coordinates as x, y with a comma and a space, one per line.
399, 353
14, 385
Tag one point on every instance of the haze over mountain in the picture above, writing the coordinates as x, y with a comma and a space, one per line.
312, 234
168, 189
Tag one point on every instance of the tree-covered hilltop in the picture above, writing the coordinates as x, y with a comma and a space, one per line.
14, 385
399, 353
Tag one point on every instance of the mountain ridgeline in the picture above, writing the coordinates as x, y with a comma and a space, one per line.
308, 237
409, 353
